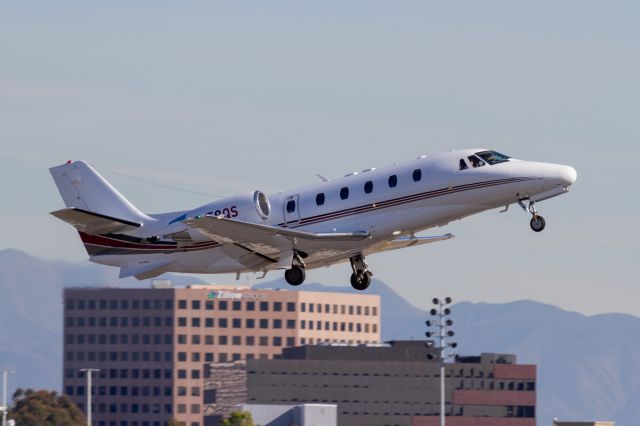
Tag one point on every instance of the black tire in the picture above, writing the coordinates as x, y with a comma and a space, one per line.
537, 223
295, 275
361, 280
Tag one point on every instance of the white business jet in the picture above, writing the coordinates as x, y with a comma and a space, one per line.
362, 213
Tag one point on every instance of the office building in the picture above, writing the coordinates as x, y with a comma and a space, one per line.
395, 384
152, 344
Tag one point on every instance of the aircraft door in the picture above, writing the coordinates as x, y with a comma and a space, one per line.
291, 210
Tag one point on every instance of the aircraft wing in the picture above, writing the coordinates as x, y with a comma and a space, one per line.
94, 223
272, 242
403, 242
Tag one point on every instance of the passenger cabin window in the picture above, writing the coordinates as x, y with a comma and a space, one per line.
492, 157
344, 193
475, 161
368, 187
417, 175
320, 199
291, 206
393, 181
463, 164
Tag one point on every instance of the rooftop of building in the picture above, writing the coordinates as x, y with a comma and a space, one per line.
395, 350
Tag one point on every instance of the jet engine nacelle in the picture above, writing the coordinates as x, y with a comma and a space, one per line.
253, 207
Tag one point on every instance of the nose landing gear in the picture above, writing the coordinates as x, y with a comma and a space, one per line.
361, 277
537, 222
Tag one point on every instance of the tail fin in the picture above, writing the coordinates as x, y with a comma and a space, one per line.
83, 188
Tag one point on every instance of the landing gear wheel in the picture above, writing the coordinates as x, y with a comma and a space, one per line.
295, 275
361, 280
537, 223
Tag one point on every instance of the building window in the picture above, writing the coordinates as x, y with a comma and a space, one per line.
303, 324
291, 307
277, 341
368, 187
264, 306
344, 193
209, 305
277, 306
250, 340
182, 374
182, 356
320, 199
236, 323
393, 181
222, 340
237, 305
417, 175
195, 339
208, 340
222, 305
195, 322
236, 340
182, 339
264, 341
264, 323
277, 323
222, 322
291, 341
251, 323
208, 322
291, 324
182, 322
251, 306
303, 307
195, 304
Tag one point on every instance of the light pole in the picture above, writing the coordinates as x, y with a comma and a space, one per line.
5, 407
442, 333
89, 371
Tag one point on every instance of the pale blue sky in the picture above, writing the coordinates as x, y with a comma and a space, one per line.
228, 97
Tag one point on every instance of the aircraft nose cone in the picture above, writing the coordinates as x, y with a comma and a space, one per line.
567, 175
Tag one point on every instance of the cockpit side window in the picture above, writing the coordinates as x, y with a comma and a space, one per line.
475, 161
463, 164
493, 157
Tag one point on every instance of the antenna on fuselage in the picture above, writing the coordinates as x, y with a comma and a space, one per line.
322, 178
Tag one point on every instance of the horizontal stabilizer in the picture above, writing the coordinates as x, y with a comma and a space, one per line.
144, 271
94, 223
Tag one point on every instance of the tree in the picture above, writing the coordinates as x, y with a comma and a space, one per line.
44, 408
174, 422
238, 418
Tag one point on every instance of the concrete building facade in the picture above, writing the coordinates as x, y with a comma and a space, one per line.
152, 344
395, 384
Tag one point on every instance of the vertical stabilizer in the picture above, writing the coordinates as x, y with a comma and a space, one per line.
84, 188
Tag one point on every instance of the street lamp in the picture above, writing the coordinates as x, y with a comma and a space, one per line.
441, 324
5, 407
89, 371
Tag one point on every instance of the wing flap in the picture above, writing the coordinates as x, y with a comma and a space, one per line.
93, 223
403, 242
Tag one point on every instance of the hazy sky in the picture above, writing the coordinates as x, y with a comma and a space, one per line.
226, 97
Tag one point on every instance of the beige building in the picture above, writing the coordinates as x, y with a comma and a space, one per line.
152, 345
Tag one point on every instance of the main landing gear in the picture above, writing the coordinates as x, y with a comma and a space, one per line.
296, 274
537, 222
361, 277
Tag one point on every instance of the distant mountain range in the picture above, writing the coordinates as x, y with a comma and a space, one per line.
588, 367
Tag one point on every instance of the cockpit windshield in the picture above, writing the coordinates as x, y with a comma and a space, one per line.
492, 157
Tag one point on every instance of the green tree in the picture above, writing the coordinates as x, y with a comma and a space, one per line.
238, 418
44, 408
174, 422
